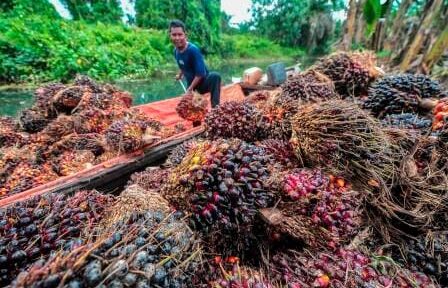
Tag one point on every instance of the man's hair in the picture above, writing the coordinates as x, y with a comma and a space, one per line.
176, 24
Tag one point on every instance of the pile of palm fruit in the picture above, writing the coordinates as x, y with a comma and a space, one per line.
338, 178
71, 128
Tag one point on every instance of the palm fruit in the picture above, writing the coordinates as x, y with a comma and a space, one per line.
281, 152
84, 80
233, 119
176, 155
35, 228
91, 121
92, 142
32, 120
9, 137
125, 135
43, 96
350, 72
228, 273
9, 159
99, 100
151, 178
59, 127
344, 268
67, 99
153, 248
407, 121
222, 187
26, 176
259, 99
400, 94
309, 87
320, 211
192, 107
73, 161
106, 156
440, 114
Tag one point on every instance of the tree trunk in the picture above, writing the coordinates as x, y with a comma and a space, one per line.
378, 36
435, 52
421, 33
349, 27
360, 23
397, 24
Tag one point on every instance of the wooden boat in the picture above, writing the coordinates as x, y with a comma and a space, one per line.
118, 168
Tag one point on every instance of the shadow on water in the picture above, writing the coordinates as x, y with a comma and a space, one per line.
144, 91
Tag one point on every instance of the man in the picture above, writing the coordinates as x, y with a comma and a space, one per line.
192, 65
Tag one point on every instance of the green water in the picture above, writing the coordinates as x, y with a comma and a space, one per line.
12, 102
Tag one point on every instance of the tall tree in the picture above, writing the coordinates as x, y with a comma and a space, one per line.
349, 28
107, 11
428, 16
397, 24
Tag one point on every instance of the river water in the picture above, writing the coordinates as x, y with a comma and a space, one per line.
12, 102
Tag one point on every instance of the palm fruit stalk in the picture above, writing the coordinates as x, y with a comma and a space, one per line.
151, 178
401, 93
259, 99
407, 121
222, 185
154, 248
344, 268
125, 135
192, 107
318, 210
351, 72
71, 162
35, 228
59, 127
309, 87
281, 153
93, 142
43, 98
234, 119
32, 120
26, 176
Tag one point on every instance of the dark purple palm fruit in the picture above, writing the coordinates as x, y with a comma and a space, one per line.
351, 73
151, 178
224, 187
400, 93
309, 87
234, 119
409, 121
32, 120
125, 135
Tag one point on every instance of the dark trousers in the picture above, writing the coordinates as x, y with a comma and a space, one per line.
212, 84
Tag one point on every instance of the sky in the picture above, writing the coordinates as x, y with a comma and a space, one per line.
238, 9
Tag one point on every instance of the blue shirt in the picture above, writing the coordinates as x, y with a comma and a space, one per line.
191, 62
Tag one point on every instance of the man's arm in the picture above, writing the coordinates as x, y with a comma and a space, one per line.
179, 75
194, 83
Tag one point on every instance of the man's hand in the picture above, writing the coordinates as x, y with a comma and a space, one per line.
179, 76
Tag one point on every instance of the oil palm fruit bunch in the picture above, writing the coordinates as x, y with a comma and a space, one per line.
59, 127
321, 211
351, 72
259, 99
150, 249
192, 107
125, 135
9, 136
32, 120
346, 268
26, 176
223, 187
10, 157
400, 94
71, 162
35, 228
43, 98
91, 121
440, 114
176, 155
99, 100
407, 121
281, 152
234, 119
84, 80
67, 99
228, 273
309, 87
93, 142
342, 137
151, 178
426, 253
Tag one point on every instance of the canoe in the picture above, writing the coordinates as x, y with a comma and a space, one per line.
122, 166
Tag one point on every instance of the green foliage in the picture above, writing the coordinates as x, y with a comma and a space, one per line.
202, 18
296, 23
371, 12
22, 8
107, 11
42, 49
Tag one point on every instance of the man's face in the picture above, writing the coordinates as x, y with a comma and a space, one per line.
178, 37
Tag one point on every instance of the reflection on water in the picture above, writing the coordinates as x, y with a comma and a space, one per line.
12, 102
